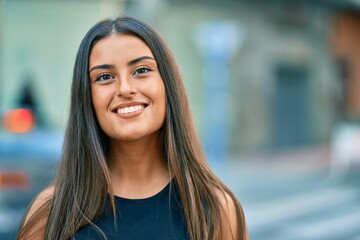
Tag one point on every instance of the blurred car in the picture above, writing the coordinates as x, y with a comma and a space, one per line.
28, 163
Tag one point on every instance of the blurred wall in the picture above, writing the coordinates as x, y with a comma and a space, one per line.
346, 47
282, 80
1, 48
39, 40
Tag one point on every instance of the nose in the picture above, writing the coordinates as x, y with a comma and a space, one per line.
125, 88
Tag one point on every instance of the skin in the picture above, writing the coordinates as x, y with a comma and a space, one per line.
124, 74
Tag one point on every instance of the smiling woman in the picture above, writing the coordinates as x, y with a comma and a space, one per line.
132, 165
119, 85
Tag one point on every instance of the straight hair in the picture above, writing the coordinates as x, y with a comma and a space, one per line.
82, 183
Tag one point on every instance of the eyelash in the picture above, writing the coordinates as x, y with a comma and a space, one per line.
99, 78
147, 69
111, 77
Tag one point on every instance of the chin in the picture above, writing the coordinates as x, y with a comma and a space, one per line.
134, 136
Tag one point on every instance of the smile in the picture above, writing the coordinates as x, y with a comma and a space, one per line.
128, 110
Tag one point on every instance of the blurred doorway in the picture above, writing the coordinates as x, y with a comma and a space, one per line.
290, 107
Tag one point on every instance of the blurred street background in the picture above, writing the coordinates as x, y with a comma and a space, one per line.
274, 87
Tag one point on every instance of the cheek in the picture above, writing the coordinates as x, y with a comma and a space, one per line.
99, 99
163, 108
95, 100
161, 98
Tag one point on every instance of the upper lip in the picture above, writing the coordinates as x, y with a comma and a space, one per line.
123, 105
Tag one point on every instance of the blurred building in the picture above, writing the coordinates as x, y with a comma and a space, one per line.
293, 76
286, 87
345, 42
268, 75
39, 40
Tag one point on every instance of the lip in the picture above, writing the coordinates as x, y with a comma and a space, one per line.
130, 104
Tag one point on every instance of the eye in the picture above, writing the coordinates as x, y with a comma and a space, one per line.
142, 70
104, 77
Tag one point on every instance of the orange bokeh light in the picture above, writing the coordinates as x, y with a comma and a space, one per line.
19, 120
14, 179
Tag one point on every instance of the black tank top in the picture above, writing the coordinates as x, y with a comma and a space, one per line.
159, 217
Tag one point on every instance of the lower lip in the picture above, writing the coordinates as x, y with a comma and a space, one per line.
131, 115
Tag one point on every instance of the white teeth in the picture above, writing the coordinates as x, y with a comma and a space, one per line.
131, 109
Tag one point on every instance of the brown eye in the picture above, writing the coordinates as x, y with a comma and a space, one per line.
104, 77
142, 70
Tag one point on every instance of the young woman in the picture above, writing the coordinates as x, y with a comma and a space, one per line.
132, 166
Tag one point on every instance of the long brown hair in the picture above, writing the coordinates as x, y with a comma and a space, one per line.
82, 182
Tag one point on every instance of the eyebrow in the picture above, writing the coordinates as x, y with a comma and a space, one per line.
131, 62
136, 60
102, 66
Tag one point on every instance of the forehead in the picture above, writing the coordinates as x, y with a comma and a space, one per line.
119, 47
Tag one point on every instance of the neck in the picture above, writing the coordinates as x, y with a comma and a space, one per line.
137, 168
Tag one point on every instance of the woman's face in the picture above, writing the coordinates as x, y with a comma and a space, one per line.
126, 88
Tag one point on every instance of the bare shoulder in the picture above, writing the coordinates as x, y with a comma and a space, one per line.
231, 226
228, 215
35, 220
40, 200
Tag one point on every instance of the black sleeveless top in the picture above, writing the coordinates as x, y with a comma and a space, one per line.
159, 217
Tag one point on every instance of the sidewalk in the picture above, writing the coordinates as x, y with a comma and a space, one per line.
294, 195
262, 177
